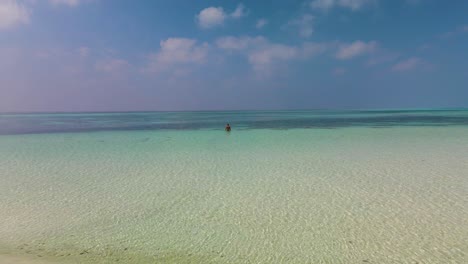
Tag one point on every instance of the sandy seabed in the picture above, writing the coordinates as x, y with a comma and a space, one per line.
348, 195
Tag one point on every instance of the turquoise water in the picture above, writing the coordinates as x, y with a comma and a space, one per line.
372, 189
89, 122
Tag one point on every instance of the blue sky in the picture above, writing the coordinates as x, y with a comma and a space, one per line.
122, 55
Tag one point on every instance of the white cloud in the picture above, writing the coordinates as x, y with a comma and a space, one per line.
408, 64
111, 65
263, 55
353, 5
304, 24
12, 13
357, 48
261, 23
262, 59
65, 2
211, 17
177, 51
239, 11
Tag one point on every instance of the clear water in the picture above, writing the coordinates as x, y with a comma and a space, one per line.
86, 122
381, 187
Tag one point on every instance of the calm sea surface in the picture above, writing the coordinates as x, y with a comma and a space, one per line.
282, 187
87, 122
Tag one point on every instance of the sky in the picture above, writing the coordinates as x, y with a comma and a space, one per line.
124, 55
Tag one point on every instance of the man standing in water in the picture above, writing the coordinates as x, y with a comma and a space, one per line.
227, 128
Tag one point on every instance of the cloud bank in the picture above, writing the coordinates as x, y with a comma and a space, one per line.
12, 13
357, 48
177, 52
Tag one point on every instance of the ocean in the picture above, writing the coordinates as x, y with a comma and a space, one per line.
319, 186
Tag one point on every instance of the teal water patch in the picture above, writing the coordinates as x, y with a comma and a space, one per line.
11, 124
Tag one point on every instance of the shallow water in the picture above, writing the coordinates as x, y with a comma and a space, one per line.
354, 194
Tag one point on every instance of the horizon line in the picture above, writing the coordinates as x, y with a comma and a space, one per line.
240, 110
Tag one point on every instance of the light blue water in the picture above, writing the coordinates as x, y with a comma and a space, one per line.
86, 122
373, 189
